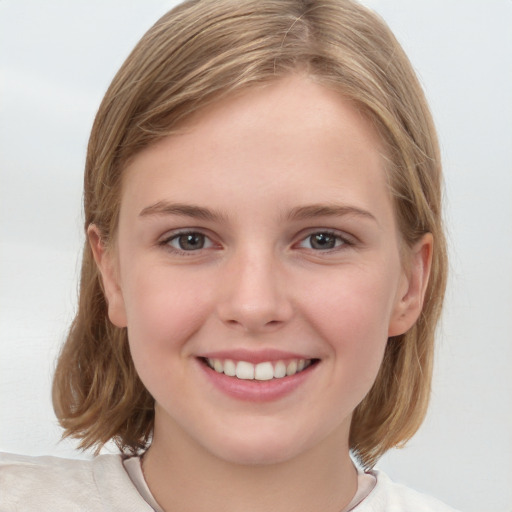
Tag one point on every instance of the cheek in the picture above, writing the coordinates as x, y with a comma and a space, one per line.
352, 314
164, 310
355, 301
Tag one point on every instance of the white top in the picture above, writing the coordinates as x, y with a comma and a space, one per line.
365, 484
106, 483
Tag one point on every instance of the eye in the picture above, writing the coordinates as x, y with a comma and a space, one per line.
189, 241
323, 241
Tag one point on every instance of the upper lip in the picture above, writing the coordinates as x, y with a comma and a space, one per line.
253, 356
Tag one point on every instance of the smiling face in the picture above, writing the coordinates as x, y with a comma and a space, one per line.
257, 269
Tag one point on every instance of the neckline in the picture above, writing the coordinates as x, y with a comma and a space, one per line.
366, 482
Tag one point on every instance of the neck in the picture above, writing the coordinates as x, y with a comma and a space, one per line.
184, 476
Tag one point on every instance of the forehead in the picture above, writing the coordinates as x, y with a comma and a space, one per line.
292, 140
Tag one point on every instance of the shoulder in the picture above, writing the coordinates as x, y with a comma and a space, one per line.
390, 496
33, 483
51, 483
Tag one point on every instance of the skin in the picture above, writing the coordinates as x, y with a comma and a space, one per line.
259, 161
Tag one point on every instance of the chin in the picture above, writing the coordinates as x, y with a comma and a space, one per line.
259, 449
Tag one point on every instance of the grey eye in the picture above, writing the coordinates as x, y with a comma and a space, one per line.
189, 241
322, 241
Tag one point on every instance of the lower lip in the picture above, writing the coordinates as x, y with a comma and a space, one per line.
257, 390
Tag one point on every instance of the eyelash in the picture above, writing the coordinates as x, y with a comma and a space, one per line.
166, 242
344, 240
341, 241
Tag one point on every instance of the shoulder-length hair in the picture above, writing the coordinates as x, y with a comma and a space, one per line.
204, 50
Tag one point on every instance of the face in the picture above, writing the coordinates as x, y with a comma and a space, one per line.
257, 269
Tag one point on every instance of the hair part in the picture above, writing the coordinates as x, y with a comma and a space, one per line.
203, 50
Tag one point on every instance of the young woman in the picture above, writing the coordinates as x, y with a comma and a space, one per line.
264, 270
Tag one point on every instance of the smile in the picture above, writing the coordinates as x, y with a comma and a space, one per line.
265, 370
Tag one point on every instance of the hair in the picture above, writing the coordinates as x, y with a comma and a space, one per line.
201, 51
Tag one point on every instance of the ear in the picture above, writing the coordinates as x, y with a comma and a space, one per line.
107, 265
409, 301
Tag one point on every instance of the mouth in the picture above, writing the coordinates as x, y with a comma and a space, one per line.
263, 371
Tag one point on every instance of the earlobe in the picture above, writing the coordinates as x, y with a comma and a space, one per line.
409, 303
106, 262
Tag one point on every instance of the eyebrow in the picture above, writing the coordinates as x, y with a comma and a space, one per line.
296, 214
181, 209
328, 210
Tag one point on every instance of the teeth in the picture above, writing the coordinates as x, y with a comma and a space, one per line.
229, 368
291, 369
264, 371
280, 370
245, 370
261, 371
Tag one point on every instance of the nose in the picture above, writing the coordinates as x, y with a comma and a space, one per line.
254, 296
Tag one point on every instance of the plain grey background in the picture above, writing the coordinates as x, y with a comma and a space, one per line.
57, 59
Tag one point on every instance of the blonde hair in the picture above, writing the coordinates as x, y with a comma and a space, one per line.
198, 52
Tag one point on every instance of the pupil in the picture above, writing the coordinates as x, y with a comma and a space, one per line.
322, 241
191, 241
